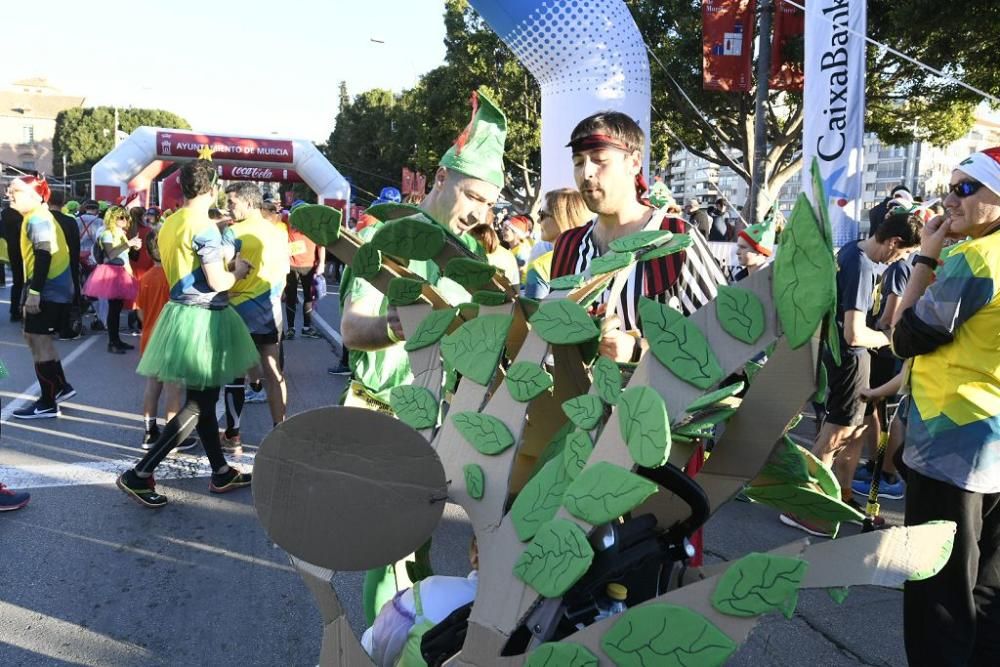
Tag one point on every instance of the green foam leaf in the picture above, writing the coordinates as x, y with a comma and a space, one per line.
475, 480
833, 337
527, 381
569, 282
639, 240
608, 378
822, 203
759, 583
410, 238
711, 398
610, 262
585, 411
642, 420
679, 344
321, 224
838, 593
557, 557
405, 291
431, 328
415, 406
822, 385
803, 502
486, 433
603, 492
704, 425
943, 556
821, 473
576, 451
540, 499
561, 654
740, 313
474, 348
489, 298
787, 464
470, 273
563, 322
367, 262
804, 284
666, 635
678, 243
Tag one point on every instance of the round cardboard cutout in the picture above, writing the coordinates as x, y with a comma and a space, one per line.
348, 488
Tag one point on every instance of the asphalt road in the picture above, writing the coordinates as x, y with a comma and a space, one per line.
88, 577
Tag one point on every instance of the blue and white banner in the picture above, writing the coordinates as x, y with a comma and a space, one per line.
834, 127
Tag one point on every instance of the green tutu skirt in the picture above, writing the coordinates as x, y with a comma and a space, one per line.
198, 347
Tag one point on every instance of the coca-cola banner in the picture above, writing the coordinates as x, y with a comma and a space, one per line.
231, 172
186, 144
727, 44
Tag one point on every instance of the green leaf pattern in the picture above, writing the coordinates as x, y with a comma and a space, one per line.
740, 313
415, 406
431, 329
486, 433
557, 557
642, 419
563, 322
679, 345
474, 349
603, 492
759, 583
527, 381
665, 635
585, 411
608, 379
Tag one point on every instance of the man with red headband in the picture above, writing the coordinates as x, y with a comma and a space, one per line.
607, 164
48, 292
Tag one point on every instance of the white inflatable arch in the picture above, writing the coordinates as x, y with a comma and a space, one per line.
131, 167
587, 56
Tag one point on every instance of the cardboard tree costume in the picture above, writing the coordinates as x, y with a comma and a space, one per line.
576, 446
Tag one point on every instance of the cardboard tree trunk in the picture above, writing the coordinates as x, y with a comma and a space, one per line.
541, 457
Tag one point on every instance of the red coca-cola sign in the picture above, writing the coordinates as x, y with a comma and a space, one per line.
186, 144
229, 172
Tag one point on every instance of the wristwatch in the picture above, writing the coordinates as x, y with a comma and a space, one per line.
929, 262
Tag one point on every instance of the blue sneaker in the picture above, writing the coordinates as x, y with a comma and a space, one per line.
864, 471
886, 489
11, 500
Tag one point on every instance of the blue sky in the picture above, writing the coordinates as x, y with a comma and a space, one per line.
256, 66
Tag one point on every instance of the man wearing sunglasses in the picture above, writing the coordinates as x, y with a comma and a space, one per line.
948, 323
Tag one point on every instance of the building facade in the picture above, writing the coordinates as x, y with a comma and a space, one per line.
28, 111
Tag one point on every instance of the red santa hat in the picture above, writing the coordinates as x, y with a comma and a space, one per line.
984, 167
36, 183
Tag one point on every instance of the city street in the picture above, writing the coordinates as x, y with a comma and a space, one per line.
88, 577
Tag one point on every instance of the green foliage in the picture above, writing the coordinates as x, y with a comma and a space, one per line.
643, 422
639, 240
415, 406
405, 291
679, 344
666, 635
563, 322
585, 411
86, 135
431, 328
714, 397
759, 583
474, 349
569, 282
561, 654
541, 497
486, 433
475, 480
608, 378
527, 381
740, 313
603, 492
557, 557
470, 273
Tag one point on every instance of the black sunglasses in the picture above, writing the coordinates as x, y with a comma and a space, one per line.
964, 189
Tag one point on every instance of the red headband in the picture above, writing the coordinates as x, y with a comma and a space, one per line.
593, 141
39, 185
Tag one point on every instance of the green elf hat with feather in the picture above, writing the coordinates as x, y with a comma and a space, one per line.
478, 150
760, 237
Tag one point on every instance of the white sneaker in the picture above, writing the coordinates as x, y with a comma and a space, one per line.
255, 396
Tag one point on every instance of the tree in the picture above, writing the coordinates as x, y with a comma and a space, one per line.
87, 135
377, 133
904, 102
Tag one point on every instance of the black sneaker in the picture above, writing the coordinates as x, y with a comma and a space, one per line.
97, 325
67, 392
150, 437
309, 332
229, 481
289, 334
38, 410
186, 444
143, 491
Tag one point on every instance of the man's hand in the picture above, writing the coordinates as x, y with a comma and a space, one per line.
33, 304
241, 268
934, 235
135, 243
615, 344
395, 326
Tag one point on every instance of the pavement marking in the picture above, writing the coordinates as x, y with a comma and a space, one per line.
328, 331
47, 475
31, 393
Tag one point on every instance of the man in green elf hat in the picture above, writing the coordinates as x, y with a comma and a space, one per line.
754, 248
465, 187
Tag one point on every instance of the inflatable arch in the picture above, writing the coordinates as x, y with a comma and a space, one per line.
133, 164
587, 56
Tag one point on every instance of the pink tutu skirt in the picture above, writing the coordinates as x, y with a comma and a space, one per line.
111, 281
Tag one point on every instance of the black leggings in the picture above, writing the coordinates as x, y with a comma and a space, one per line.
292, 283
198, 412
114, 320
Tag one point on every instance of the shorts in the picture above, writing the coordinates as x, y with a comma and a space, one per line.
844, 406
49, 320
885, 366
264, 338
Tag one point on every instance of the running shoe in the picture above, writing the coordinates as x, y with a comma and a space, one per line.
39, 410
11, 500
97, 325
67, 392
254, 396
229, 481
813, 527
865, 471
149, 438
289, 334
309, 332
231, 445
143, 491
891, 488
